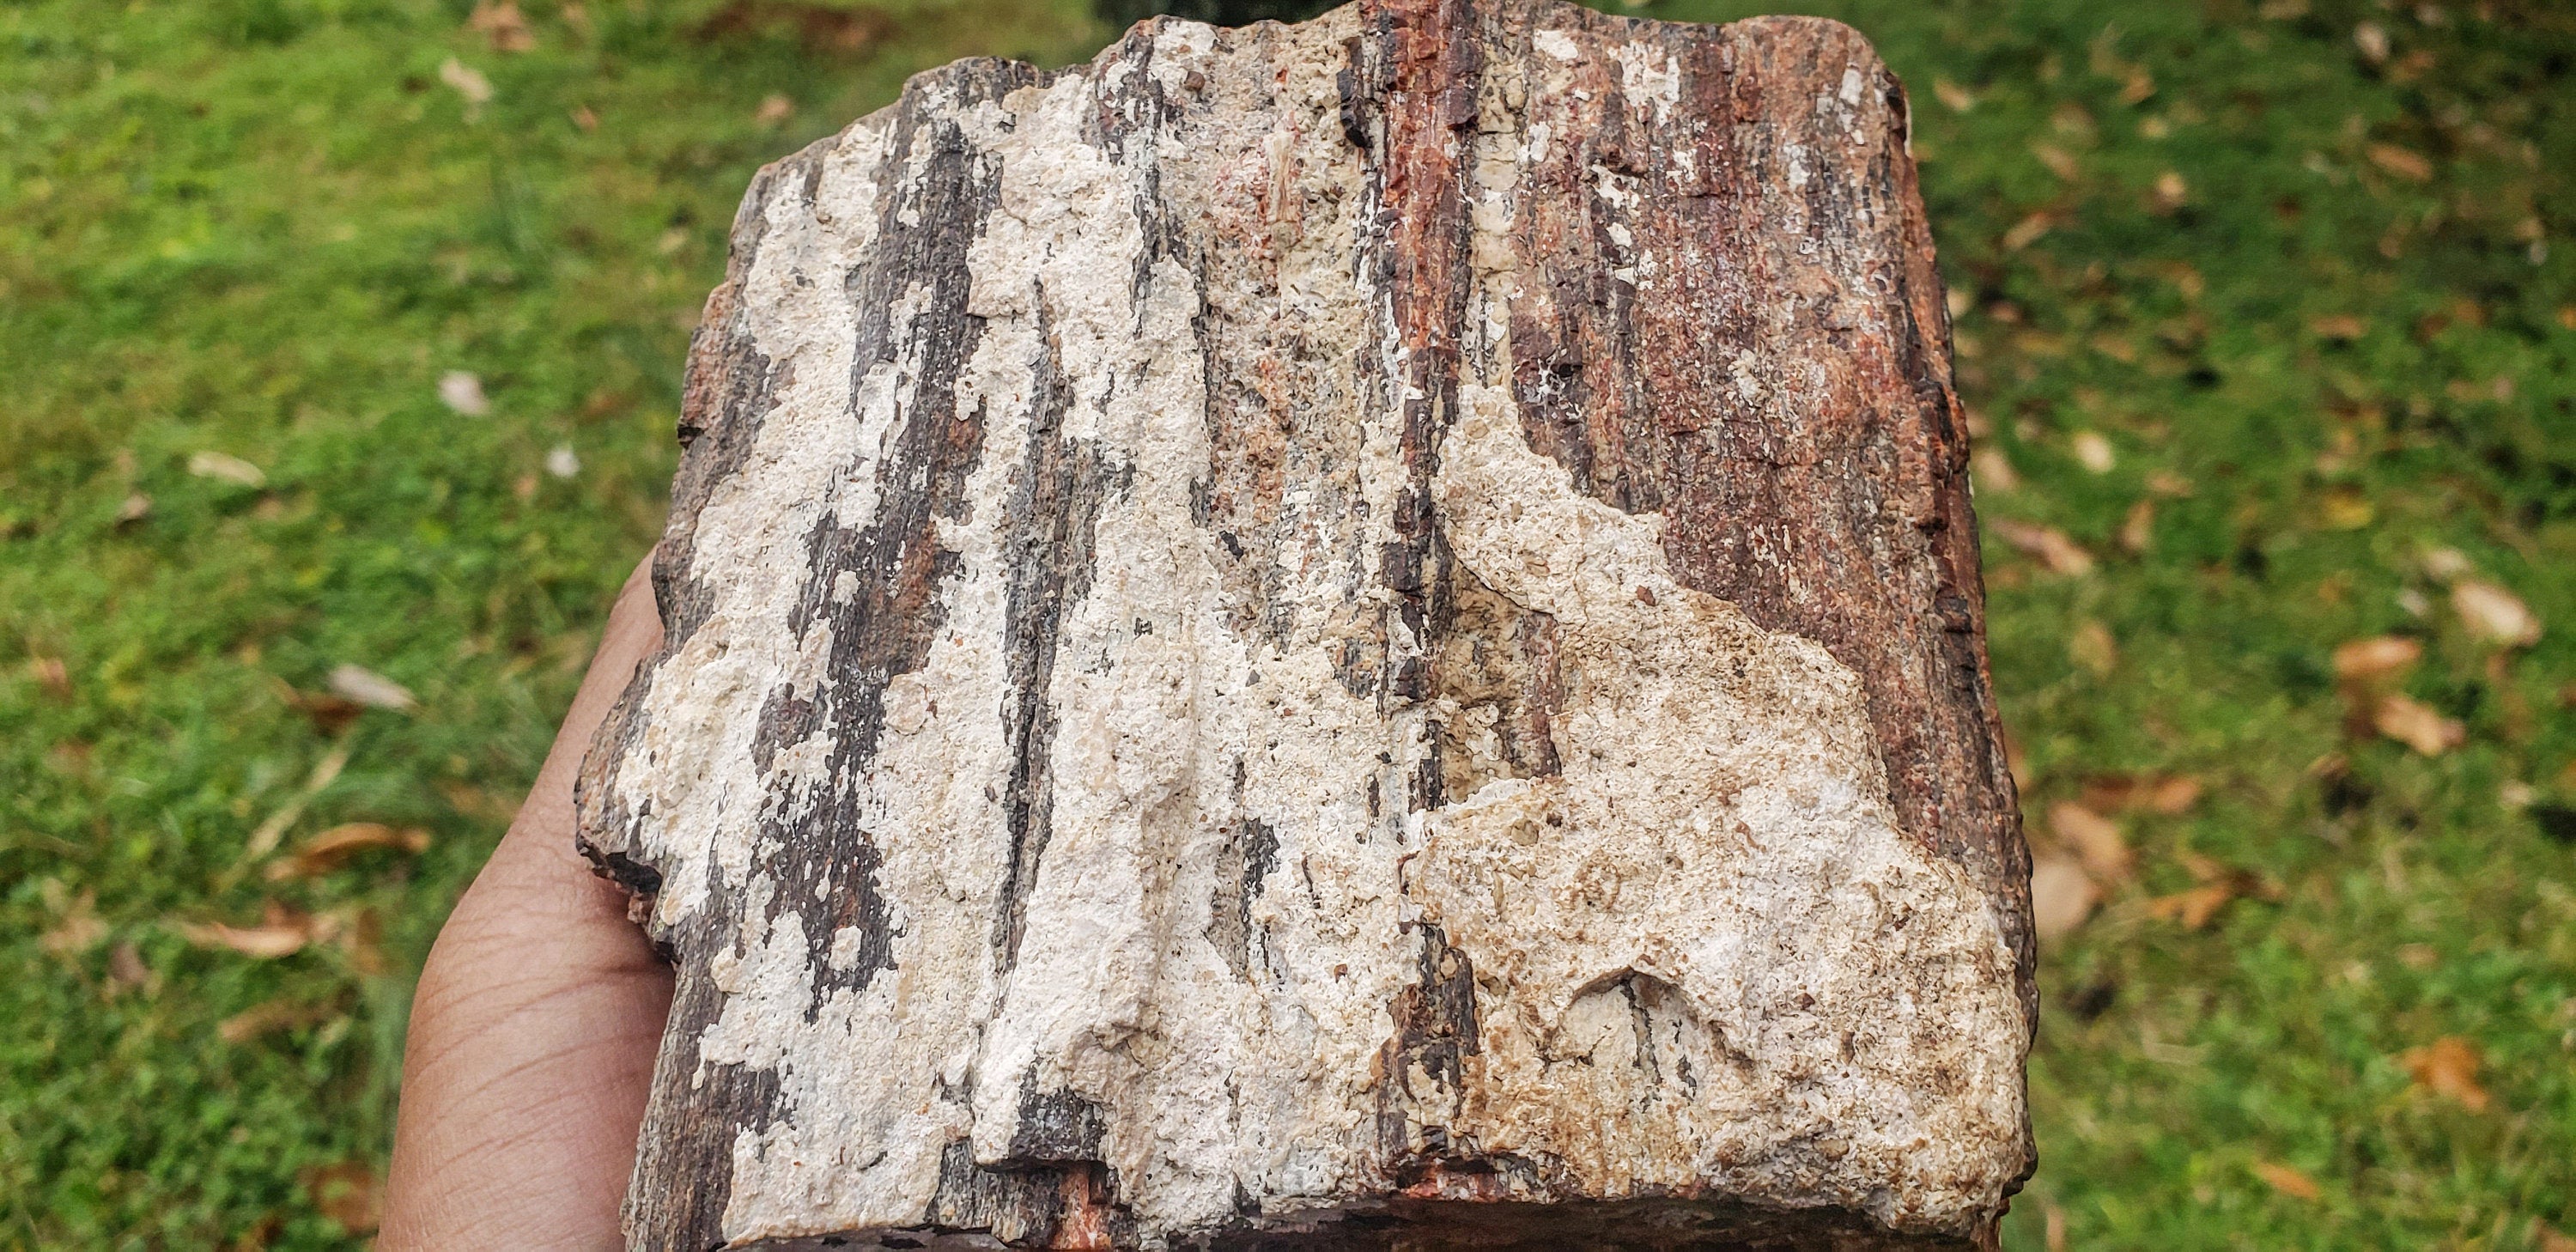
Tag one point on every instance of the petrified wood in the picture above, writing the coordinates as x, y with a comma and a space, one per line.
1362, 635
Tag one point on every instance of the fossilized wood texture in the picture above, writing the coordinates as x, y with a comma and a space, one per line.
1362, 634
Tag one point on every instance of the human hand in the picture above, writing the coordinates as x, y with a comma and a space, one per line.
534, 1029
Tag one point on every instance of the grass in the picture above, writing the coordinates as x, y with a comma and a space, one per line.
2269, 311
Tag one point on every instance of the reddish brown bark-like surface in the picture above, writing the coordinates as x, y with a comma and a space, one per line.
1360, 635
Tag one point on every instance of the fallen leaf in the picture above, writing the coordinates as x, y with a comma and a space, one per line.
330, 714
2028, 230
2058, 160
468, 83
227, 468
326, 851
2372, 39
2092, 647
2061, 896
2048, 545
2170, 192
2445, 564
584, 118
2287, 1181
2193, 908
348, 1194
263, 839
2380, 656
2448, 1067
367, 687
266, 942
773, 110
2417, 725
2166, 794
2493, 614
136, 507
2405, 164
2345, 508
125, 965
463, 392
1988, 470
2138, 529
563, 462
2339, 326
360, 934
256, 1237
502, 24
2094, 838
78, 929
269, 1018
1956, 98
475, 802
49, 674
2092, 451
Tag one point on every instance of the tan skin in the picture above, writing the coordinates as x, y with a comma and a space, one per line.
534, 1028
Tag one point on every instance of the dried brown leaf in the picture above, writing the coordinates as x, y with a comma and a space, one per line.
2028, 230
2093, 838
77, 929
2092, 451
2494, 615
367, 687
2193, 908
2174, 796
348, 1193
2288, 1181
2049, 546
2339, 326
226, 468
2170, 192
329, 713
503, 25
2092, 647
267, 943
2417, 725
1954, 97
269, 1018
264, 839
2448, 1067
2402, 162
469, 83
125, 966
2138, 529
774, 110
2380, 656
50, 674
1989, 470
326, 851
2062, 895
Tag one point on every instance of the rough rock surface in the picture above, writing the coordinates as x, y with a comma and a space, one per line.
1362, 634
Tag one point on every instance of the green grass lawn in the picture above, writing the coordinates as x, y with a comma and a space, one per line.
2268, 312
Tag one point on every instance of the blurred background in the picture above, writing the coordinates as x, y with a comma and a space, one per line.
339, 356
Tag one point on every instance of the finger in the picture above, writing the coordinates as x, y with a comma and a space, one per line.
533, 1031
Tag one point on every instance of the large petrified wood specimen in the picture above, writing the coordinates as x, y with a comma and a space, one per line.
1363, 634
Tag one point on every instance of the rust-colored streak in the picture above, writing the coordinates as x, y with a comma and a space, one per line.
1774, 377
